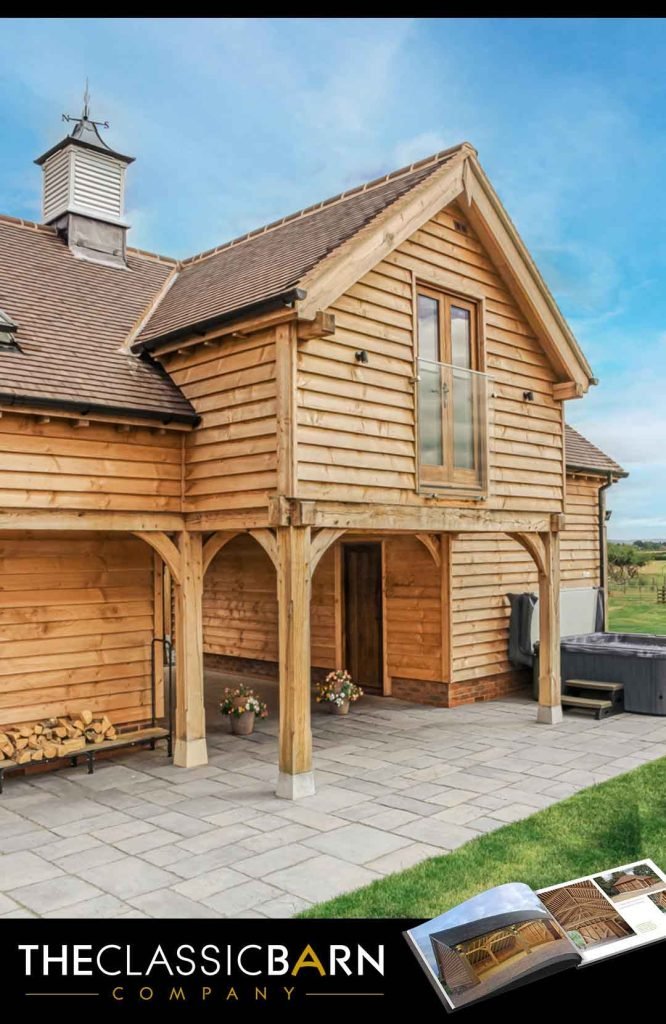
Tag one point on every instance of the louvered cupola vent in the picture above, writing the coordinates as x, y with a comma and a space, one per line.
83, 191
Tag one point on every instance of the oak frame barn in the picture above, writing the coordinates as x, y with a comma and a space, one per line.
337, 440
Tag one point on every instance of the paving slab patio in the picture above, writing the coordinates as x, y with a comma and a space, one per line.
396, 783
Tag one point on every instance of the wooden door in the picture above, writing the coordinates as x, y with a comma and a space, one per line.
362, 588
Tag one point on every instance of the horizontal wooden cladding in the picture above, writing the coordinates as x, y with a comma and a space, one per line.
486, 569
241, 614
57, 465
76, 626
231, 459
343, 403
413, 610
240, 611
579, 543
240, 603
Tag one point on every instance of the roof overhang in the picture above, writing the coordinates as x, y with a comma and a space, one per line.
69, 140
40, 404
614, 474
510, 254
291, 297
460, 178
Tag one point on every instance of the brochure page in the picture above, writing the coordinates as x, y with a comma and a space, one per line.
496, 940
607, 913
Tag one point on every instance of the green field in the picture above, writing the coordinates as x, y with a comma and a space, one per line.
633, 606
607, 825
632, 612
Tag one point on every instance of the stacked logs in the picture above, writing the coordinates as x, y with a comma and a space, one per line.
54, 737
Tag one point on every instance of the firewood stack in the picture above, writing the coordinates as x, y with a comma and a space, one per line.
54, 737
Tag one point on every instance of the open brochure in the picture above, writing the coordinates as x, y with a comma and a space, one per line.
511, 935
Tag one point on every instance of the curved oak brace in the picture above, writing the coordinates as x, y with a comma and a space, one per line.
268, 542
215, 544
320, 544
532, 543
431, 545
166, 549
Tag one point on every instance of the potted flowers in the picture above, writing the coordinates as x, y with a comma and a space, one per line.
243, 707
338, 692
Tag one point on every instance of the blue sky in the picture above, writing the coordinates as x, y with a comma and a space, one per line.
235, 123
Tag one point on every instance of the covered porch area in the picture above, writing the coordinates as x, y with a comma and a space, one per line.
295, 601
88, 600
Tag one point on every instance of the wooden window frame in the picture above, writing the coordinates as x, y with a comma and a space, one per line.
470, 483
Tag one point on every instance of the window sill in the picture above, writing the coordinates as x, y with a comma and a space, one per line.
453, 490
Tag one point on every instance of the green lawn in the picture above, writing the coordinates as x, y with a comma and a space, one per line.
626, 614
607, 825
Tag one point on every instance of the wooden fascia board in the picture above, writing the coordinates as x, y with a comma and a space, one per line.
491, 221
567, 389
356, 257
243, 325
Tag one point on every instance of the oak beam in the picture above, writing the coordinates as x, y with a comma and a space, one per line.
421, 518
296, 778
550, 682
286, 413
190, 748
321, 542
431, 545
214, 545
567, 389
534, 545
166, 549
54, 519
266, 538
321, 326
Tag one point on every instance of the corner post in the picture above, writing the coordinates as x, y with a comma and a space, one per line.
550, 683
296, 778
190, 749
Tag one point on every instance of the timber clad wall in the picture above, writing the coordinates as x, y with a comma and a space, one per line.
231, 460
357, 438
59, 465
579, 552
76, 624
240, 605
485, 568
240, 608
240, 611
413, 611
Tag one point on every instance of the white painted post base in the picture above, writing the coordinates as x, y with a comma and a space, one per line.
190, 753
293, 787
549, 715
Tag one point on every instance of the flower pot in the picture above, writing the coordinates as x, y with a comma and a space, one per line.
339, 709
242, 725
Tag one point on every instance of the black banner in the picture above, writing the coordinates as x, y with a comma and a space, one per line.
254, 969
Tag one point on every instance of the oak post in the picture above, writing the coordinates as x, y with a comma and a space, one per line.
550, 683
190, 747
295, 777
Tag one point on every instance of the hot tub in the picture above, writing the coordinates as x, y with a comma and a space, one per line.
638, 660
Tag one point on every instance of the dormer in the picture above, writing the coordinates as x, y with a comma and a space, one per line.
84, 189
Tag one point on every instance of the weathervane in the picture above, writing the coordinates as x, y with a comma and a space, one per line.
85, 116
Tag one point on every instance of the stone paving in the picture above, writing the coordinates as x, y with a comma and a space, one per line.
397, 783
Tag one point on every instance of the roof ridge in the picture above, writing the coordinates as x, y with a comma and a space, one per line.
156, 256
434, 159
31, 225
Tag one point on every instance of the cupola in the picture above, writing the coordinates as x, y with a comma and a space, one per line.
83, 190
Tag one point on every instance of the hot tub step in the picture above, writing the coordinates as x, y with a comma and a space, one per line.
588, 684
602, 708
